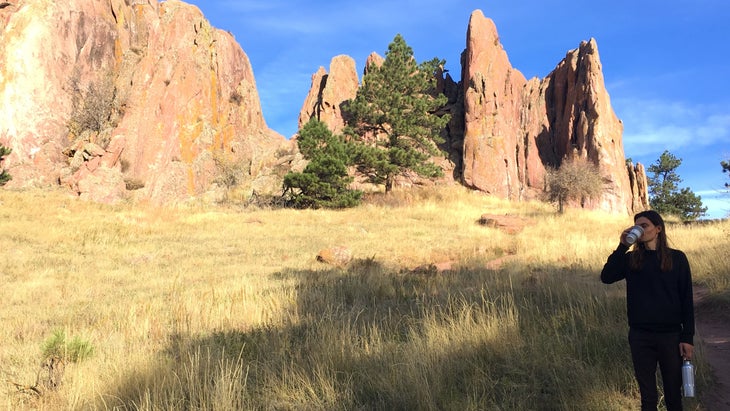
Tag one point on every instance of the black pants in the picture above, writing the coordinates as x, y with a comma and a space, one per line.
647, 350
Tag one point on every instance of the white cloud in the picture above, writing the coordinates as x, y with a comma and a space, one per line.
717, 207
716, 128
652, 126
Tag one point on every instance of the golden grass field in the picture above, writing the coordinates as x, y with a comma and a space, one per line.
208, 307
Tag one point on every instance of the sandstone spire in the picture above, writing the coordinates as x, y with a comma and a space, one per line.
493, 142
329, 91
515, 128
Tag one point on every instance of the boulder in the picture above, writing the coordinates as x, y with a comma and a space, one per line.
337, 255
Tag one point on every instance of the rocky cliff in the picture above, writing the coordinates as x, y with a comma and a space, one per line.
506, 131
143, 99
128, 97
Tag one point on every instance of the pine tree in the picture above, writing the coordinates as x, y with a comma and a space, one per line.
666, 196
4, 176
726, 169
393, 121
324, 182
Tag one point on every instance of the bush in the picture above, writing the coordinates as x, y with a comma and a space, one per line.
94, 109
576, 179
231, 171
133, 184
76, 350
4, 176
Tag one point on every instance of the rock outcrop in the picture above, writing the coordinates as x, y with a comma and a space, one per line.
507, 131
146, 100
177, 98
515, 129
329, 91
493, 147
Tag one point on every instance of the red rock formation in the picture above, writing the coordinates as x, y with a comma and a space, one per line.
185, 95
493, 143
583, 123
639, 187
185, 106
515, 128
505, 131
329, 91
373, 59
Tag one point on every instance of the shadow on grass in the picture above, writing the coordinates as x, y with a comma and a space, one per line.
373, 338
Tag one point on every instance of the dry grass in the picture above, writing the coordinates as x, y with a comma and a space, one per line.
202, 307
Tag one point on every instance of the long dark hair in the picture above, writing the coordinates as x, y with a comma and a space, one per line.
662, 246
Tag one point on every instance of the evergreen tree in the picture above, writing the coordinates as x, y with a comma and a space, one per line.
666, 197
324, 181
393, 118
726, 169
4, 176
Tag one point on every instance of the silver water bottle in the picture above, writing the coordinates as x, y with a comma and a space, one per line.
634, 234
688, 379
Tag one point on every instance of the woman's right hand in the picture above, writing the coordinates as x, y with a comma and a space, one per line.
623, 236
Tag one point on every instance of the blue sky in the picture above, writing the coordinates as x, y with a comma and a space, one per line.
666, 63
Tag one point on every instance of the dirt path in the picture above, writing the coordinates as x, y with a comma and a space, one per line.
713, 332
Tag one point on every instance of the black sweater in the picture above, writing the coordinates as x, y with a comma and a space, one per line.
656, 301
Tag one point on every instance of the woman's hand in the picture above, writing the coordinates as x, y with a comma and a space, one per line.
623, 236
686, 350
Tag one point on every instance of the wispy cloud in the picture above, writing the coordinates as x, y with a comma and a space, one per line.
717, 203
291, 19
652, 126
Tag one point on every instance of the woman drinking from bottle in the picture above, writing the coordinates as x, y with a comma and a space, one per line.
659, 306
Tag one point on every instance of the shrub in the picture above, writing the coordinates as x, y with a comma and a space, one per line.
4, 176
133, 184
576, 179
76, 350
94, 109
230, 170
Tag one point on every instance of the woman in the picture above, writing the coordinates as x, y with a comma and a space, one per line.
659, 306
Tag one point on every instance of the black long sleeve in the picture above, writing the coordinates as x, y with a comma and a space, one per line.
655, 301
